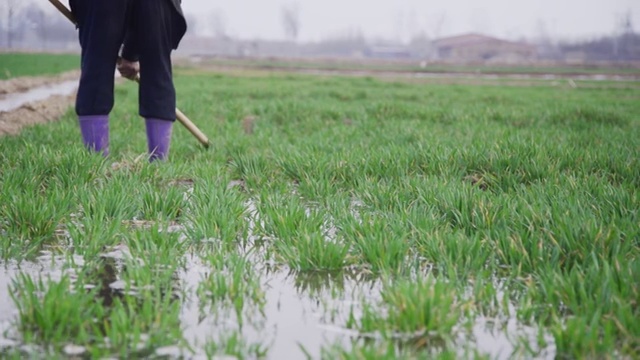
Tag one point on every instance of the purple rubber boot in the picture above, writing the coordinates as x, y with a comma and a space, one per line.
158, 138
95, 132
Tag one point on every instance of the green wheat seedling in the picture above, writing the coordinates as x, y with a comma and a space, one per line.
457, 256
389, 350
253, 170
51, 314
312, 251
304, 169
300, 235
423, 311
329, 285
234, 345
584, 336
596, 289
156, 246
166, 204
137, 325
382, 242
112, 200
32, 217
232, 284
91, 236
216, 213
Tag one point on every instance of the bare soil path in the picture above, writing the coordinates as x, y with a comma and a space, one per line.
34, 112
26, 83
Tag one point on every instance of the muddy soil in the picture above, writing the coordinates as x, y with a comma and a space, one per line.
33, 113
40, 111
26, 83
36, 112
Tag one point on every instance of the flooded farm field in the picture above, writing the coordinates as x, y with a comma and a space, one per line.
332, 217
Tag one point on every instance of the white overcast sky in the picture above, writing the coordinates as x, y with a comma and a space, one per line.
398, 19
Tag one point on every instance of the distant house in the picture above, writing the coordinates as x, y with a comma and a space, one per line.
482, 48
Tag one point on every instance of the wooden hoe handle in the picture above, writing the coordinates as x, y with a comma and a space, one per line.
63, 9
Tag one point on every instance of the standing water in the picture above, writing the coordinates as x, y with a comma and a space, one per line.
16, 100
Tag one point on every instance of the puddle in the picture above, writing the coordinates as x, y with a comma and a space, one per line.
8, 311
15, 100
295, 313
302, 313
46, 265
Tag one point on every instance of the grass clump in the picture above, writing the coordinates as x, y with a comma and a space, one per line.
382, 242
50, 313
300, 235
419, 309
56, 313
234, 345
231, 284
216, 213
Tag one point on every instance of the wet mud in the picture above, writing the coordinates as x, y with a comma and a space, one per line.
26, 83
50, 109
27, 101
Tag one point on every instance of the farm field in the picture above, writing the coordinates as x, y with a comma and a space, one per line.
332, 217
414, 66
14, 65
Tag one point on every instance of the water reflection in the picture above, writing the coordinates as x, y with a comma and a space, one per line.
301, 310
16, 100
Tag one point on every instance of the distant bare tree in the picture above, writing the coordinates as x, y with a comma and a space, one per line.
59, 31
627, 35
626, 23
623, 36
547, 49
11, 8
399, 25
34, 18
439, 24
219, 24
291, 20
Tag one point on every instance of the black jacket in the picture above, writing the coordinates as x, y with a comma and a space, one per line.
130, 50
182, 23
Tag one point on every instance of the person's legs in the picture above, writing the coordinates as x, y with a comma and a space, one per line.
101, 31
154, 23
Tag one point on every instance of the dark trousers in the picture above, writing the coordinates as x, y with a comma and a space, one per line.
147, 26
